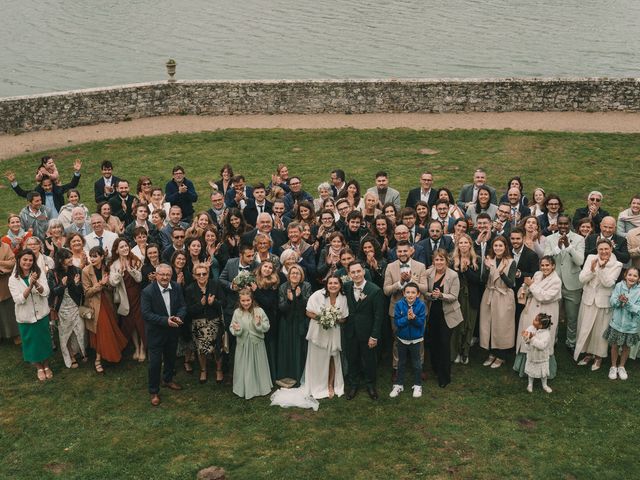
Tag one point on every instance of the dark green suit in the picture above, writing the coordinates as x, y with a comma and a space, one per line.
364, 322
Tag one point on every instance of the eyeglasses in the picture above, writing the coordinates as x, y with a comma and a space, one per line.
293, 184
201, 274
178, 237
594, 199
327, 219
146, 184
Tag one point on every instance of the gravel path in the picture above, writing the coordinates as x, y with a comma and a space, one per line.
12, 145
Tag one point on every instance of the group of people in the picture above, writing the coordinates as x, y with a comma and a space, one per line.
271, 285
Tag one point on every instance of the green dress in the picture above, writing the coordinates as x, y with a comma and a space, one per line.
292, 333
251, 377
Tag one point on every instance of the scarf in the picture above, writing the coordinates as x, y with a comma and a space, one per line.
16, 240
627, 216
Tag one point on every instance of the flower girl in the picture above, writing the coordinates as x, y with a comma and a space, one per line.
539, 345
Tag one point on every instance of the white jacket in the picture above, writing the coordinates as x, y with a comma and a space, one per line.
117, 281
35, 306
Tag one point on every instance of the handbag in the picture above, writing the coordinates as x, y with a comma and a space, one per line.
86, 313
522, 295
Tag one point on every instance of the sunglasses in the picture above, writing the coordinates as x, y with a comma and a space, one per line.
597, 200
178, 237
202, 274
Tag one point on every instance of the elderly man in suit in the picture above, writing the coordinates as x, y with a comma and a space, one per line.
567, 249
608, 231
264, 225
362, 329
424, 192
105, 187
469, 192
163, 310
396, 276
593, 210
384, 192
79, 222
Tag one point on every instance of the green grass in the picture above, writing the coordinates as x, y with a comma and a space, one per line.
484, 425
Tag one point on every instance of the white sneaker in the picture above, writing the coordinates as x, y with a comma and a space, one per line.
490, 359
395, 391
417, 391
458, 359
622, 373
613, 373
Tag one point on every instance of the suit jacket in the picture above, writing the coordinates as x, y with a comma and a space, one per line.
445, 243
73, 228
278, 237
450, 291
289, 200
392, 196
154, 311
418, 254
116, 208
230, 271
153, 234
57, 190
466, 195
584, 212
98, 189
251, 212
393, 285
543, 220
365, 316
230, 197
528, 264
569, 260
414, 197
620, 249
183, 200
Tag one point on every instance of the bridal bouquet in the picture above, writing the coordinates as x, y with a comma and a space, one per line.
329, 316
244, 280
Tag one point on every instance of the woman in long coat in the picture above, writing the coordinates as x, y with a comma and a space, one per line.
544, 292
498, 305
599, 274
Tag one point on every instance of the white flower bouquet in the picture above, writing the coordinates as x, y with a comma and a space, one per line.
329, 317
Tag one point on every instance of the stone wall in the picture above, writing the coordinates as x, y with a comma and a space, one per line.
110, 104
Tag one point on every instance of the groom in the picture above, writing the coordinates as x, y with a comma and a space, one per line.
163, 310
362, 329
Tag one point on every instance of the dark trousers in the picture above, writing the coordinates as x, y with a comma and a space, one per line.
413, 352
440, 352
162, 348
361, 360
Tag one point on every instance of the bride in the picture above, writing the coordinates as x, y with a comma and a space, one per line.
322, 376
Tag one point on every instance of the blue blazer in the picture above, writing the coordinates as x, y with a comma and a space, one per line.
154, 311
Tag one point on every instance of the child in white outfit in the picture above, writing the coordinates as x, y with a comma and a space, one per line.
539, 345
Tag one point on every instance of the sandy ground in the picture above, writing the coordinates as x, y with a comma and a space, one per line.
12, 145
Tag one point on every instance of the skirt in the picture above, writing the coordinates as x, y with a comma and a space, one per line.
36, 340
611, 335
520, 364
205, 332
8, 324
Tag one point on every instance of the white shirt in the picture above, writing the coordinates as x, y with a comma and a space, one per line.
357, 291
91, 240
424, 196
166, 296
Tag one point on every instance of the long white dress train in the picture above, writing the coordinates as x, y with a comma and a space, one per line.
323, 346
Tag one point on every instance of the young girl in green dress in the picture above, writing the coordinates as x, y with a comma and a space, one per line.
251, 375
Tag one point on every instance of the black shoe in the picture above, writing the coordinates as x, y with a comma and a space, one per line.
352, 393
373, 394
443, 384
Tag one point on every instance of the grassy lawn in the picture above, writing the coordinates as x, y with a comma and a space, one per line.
484, 425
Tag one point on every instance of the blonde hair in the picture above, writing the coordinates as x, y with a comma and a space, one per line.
457, 255
270, 282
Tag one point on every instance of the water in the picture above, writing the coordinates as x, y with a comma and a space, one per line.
49, 45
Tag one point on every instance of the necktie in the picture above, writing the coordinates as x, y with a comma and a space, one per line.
435, 245
100, 242
260, 207
410, 236
81, 231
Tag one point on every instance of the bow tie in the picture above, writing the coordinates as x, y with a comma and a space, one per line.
243, 269
402, 264
165, 290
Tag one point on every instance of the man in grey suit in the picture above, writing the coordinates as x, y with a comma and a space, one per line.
80, 224
567, 249
384, 192
469, 192
244, 263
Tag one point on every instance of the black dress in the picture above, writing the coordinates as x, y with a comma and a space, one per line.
267, 299
440, 336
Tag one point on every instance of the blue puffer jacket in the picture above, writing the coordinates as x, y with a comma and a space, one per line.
410, 329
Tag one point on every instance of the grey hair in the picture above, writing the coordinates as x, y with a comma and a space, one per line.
160, 266
324, 186
595, 192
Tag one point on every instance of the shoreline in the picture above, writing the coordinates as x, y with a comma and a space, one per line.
579, 122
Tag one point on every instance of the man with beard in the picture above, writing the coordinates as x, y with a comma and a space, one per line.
384, 192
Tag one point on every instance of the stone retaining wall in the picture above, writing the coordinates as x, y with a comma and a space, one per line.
120, 103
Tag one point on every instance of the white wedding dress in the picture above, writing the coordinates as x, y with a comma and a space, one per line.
323, 345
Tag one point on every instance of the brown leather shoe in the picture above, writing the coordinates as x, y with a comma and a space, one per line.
171, 385
155, 399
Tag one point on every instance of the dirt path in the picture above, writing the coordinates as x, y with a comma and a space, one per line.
12, 145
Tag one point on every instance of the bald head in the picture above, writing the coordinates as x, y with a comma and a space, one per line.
608, 226
264, 223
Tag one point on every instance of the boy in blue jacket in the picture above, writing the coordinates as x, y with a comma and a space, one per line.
410, 317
